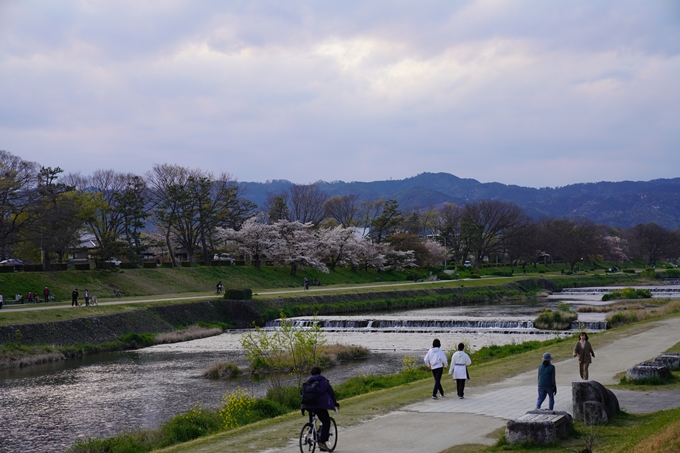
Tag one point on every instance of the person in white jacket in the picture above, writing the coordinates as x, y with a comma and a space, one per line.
436, 360
459, 363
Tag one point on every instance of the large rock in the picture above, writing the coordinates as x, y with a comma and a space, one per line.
646, 370
595, 413
540, 427
583, 391
562, 425
671, 360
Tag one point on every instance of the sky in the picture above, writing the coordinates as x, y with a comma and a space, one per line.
533, 93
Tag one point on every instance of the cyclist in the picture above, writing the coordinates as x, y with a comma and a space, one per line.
325, 401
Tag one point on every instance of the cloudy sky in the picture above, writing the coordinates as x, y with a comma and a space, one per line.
533, 93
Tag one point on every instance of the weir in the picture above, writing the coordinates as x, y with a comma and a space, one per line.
430, 325
672, 292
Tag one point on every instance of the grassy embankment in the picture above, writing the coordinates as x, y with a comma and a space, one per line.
186, 284
201, 280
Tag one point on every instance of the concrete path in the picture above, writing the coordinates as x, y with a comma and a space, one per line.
435, 425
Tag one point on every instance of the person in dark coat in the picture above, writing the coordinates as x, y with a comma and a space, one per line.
547, 385
325, 402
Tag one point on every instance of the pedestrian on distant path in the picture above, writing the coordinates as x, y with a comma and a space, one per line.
87, 298
74, 298
219, 287
436, 360
46, 294
547, 386
306, 284
583, 351
459, 363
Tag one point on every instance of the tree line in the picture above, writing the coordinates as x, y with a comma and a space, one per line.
45, 213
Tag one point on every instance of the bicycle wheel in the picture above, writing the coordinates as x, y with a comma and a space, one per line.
332, 436
307, 441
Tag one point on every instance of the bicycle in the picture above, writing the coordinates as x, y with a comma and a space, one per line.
309, 435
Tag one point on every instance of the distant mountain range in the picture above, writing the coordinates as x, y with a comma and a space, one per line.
621, 204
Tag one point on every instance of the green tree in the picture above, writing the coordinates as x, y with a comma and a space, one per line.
58, 213
131, 203
278, 208
18, 196
119, 209
387, 222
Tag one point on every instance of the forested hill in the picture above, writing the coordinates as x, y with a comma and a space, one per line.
624, 204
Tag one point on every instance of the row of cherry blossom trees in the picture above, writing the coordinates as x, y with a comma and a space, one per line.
301, 245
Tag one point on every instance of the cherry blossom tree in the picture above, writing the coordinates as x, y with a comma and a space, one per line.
615, 249
436, 253
298, 246
398, 260
341, 246
370, 255
255, 238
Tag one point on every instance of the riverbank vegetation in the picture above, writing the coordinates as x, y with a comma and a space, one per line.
627, 293
559, 319
633, 314
16, 355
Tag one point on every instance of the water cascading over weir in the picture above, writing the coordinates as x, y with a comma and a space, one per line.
523, 326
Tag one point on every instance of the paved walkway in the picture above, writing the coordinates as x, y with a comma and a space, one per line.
435, 425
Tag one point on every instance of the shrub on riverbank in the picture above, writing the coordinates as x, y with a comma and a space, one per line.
222, 370
559, 319
621, 318
627, 293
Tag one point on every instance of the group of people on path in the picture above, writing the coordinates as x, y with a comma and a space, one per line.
436, 360
306, 283
88, 299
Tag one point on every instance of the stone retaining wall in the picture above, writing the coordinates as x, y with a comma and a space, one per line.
100, 329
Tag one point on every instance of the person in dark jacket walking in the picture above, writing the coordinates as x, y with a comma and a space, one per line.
325, 402
547, 386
